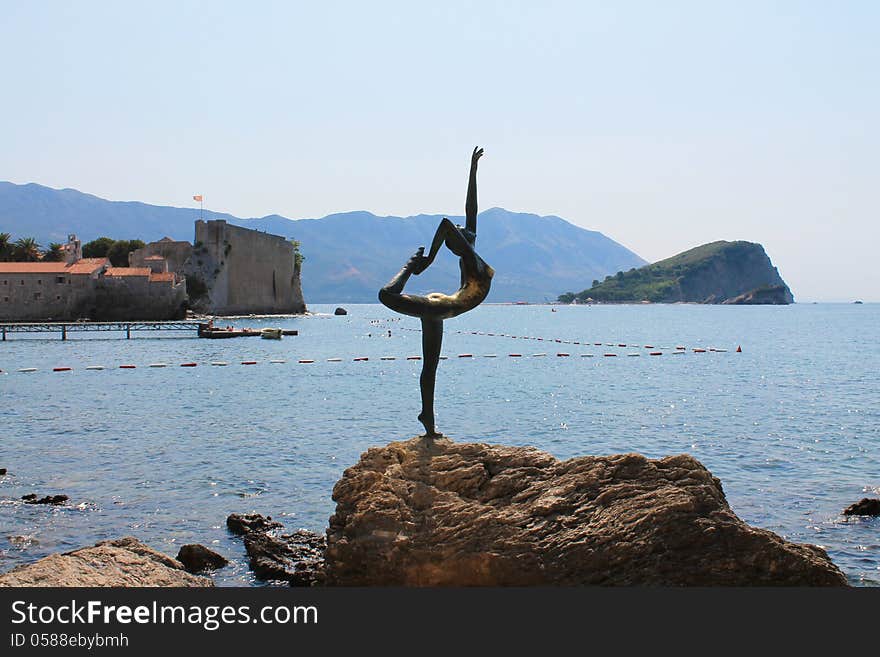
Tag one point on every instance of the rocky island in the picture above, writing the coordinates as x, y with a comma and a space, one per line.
721, 272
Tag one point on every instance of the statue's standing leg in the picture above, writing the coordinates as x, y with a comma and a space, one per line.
432, 340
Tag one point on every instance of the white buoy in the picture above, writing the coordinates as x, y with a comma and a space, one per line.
95, 367
219, 363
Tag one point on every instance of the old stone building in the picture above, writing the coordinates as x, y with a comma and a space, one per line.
174, 253
48, 290
87, 288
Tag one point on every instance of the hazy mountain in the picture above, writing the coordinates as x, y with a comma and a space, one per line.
347, 256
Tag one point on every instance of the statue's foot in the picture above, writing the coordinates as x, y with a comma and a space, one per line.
430, 429
414, 264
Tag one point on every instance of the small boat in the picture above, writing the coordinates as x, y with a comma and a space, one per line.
270, 333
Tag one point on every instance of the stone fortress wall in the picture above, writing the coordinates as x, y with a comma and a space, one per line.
244, 271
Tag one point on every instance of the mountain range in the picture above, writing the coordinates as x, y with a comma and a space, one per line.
348, 256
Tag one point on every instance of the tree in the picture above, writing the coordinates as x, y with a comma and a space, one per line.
97, 248
118, 252
595, 282
298, 257
26, 249
5, 247
55, 253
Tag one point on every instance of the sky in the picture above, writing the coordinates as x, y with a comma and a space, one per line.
663, 125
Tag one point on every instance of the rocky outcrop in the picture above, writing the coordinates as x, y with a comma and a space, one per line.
864, 507
296, 558
424, 513
121, 562
197, 558
776, 295
340, 311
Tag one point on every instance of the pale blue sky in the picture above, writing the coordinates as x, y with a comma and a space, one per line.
661, 124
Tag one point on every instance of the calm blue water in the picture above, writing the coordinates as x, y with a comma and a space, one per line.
791, 425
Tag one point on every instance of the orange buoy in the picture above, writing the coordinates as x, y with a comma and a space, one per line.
610, 355
361, 358
248, 362
185, 364
61, 369
127, 367
515, 355
414, 358
739, 350
562, 355
465, 355
656, 353
699, 351
305, 360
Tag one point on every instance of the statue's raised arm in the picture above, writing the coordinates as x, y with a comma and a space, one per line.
470, 204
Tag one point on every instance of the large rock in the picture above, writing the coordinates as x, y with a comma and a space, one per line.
427, 513
196, 558
120, 562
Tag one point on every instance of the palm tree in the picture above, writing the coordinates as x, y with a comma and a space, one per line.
4, 246
55, 253
26, 250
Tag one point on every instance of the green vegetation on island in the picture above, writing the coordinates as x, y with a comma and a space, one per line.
718, 272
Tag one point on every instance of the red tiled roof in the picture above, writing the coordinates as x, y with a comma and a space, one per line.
162, 276
84, 266
88, 265
127, 271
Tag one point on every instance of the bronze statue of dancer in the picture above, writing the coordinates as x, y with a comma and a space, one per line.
476, 277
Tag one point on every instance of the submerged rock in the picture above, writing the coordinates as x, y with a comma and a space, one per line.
197, 558
429, 513
241, 524
864, 507
2, 471
340, 311
120, 562
31, 498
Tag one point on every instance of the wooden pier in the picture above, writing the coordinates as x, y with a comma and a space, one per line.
71, 327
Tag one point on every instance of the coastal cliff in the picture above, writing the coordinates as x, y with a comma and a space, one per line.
717, 273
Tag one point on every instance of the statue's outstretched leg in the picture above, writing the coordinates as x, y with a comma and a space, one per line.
432, 340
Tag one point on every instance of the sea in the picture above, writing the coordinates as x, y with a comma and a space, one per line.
779, 402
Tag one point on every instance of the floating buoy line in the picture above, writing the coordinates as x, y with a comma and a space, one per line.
678, 351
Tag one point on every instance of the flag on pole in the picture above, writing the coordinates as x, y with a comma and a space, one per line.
197, 197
